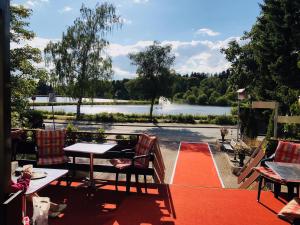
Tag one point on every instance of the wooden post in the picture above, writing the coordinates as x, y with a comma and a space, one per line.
5, 142
275, 119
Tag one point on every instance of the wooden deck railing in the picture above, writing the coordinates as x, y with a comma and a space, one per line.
26, 146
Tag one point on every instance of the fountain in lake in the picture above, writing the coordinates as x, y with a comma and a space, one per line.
163, 101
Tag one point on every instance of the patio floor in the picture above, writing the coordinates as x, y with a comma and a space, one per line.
195, 197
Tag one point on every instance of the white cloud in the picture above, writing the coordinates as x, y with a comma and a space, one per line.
191, 56
116, 50
34, 3
120, 74
207, 31
140, 1
126, 21
36, 42
204, 57
66, 9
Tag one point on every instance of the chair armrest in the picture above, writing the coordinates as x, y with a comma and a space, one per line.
271, 158
124, 152
127, 150
140, 157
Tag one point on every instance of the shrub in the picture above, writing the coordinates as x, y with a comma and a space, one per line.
221, 101
202, 99
101, 136
191, 99
32, 119
213, 97
178, 96
224, 120
270, 130
71, 128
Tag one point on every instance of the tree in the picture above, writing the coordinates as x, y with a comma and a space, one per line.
153, 70
79, 58
267, 63
24, 75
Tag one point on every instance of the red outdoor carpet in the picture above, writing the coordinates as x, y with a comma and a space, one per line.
187, 202
195, 166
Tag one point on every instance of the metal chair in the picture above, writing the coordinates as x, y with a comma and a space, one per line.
142, 154
287, 152
291, 212
50, 153
50, 146
13, 209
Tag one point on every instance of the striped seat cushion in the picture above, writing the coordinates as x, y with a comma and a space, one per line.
144, 146
268, 173
125, 163
50, 146
291, 211
287, 152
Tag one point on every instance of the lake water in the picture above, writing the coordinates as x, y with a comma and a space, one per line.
170, 109
68, 99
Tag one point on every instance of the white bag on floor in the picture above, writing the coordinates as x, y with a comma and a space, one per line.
41, 206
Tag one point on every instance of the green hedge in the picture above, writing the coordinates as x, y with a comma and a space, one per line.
142, 118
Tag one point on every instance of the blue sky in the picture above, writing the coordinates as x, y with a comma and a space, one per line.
196, 29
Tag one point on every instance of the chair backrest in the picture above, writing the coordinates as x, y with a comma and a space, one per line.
287, 152
143, 147
13, 209
50, 143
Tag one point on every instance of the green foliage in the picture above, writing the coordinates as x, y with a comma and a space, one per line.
248, 123
202, 99
295, 109
79, 57
221, 101
191, 99
181, 118
32, 119
153, 69
24, 75
234, 110
71, 128
101, 136
208, 89
131, 118
224, 120
266, 63
120, 137
29, 119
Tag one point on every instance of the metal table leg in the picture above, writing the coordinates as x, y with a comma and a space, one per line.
92, 184
24, 207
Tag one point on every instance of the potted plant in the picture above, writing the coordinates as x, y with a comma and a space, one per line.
224, 132
240, 151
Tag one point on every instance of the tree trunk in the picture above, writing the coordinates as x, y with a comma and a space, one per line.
151, 108
78, 108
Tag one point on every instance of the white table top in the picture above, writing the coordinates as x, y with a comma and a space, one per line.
90, 148
36, 185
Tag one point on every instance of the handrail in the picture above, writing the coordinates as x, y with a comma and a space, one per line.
84, 132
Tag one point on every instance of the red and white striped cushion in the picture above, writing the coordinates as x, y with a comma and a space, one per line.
124, 163
287, 152
291, 211
50, 146
268, 173
144, 146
